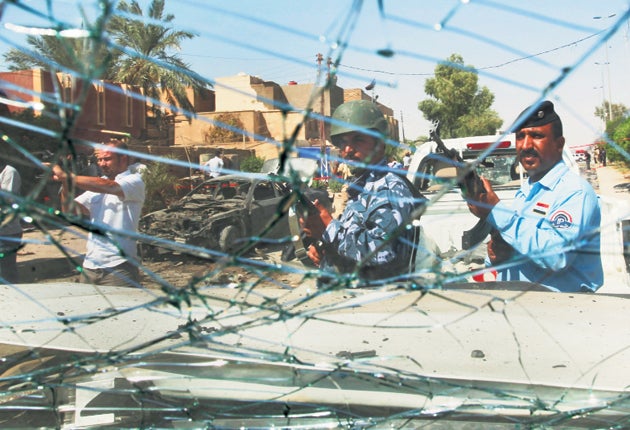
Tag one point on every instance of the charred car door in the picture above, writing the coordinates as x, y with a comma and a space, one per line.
265, 201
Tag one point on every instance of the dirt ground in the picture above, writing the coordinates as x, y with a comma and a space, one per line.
54, 257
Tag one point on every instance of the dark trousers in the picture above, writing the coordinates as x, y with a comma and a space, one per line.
9, 245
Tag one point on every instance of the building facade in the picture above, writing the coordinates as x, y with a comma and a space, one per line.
262, 114
96, 110
241, 113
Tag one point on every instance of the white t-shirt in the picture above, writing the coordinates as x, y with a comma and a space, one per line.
11, 183
113, 214
214, 166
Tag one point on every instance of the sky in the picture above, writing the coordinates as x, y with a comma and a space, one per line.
519, 52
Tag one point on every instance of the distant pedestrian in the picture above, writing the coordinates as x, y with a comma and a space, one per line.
11, 229
394, 164
587, 158
214, 166
596, 156
407, 160
602, 156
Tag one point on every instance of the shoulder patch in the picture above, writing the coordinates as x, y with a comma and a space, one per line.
561, 219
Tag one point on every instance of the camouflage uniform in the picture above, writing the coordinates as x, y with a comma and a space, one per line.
360, 241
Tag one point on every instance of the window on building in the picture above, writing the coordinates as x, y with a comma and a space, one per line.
128, 107
100, 104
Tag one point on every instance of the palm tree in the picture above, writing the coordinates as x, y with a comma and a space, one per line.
139, 52
85, 56
147, 58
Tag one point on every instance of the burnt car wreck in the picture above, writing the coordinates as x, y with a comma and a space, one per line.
221, 214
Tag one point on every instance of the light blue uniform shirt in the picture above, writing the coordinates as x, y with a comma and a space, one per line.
554, 228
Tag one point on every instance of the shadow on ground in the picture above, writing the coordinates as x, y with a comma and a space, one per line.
43, 269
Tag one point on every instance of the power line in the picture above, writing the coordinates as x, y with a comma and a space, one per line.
567, 45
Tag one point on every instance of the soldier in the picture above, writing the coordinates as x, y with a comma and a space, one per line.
368, 240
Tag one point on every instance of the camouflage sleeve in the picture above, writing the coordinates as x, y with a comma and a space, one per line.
364, 231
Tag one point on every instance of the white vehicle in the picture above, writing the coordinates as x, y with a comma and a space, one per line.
447, 221
579, 156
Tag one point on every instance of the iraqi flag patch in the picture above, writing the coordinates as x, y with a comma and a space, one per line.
541, 208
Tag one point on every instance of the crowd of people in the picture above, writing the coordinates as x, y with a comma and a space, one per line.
549, 235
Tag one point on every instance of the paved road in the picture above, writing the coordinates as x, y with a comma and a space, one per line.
615, 199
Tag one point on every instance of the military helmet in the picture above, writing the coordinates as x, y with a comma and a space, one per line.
356, 115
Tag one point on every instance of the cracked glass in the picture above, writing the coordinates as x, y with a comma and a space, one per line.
230, 324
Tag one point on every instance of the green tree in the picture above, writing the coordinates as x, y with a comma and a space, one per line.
84, 53
146, 55
153, 46
604, 111
457, 102
85, 56
252, 164
160, 186
621, 136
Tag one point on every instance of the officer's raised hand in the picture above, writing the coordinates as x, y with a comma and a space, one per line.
481, 204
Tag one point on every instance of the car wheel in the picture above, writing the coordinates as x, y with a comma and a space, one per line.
228, 239
148, 253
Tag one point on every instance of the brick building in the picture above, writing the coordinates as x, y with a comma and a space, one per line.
243, 114
268, 113
102, 109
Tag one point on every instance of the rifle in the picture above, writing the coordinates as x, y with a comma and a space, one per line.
301, 207
469, 182
471, 185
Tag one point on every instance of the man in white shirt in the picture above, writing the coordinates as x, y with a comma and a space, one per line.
113, 203
214, 166
11, 232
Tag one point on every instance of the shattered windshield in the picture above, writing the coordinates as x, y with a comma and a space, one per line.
498, 169
232, 309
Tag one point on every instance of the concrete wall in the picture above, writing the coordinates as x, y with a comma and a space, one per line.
235, 93
302, 96
193, 132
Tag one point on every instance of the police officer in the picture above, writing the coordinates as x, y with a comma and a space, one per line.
550, 234
368, 240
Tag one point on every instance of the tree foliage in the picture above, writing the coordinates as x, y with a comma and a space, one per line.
604, 111
87, 57
617, 130
159, 184
221, 133
252, 164
621, 136
152, 65
457, 102
143, 53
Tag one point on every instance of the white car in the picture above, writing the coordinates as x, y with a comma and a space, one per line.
579, 156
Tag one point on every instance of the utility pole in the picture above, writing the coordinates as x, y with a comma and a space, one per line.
607, 64
402, 126
322, 127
